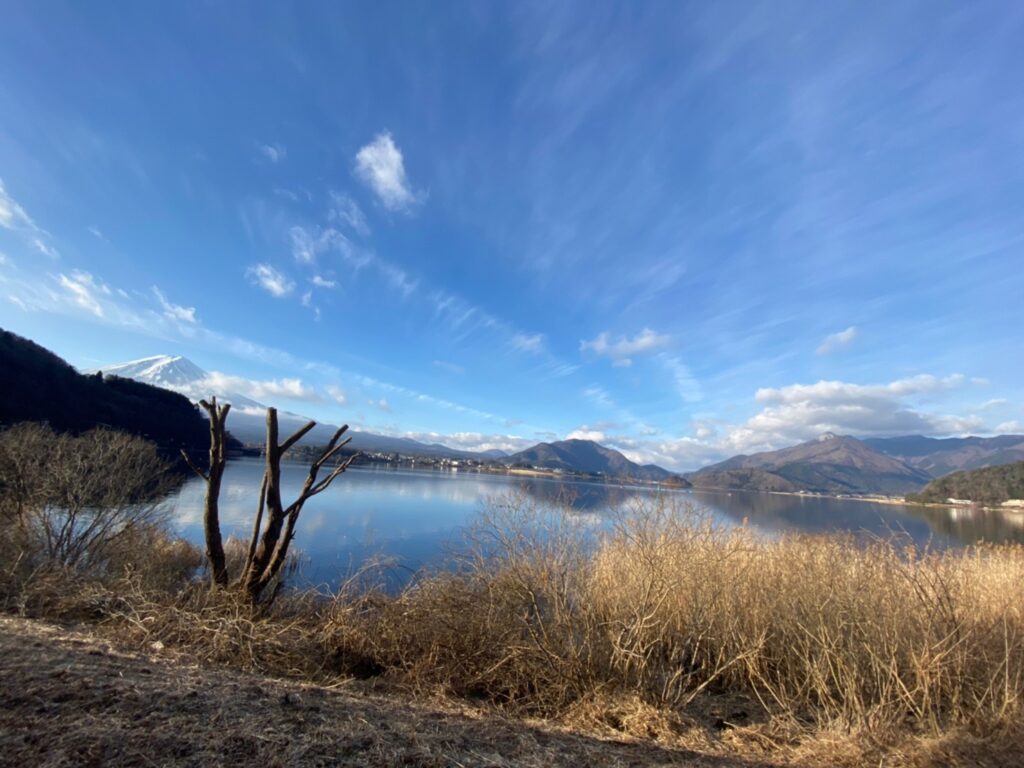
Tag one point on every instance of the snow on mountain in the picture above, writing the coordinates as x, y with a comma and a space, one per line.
247, 420
170, 372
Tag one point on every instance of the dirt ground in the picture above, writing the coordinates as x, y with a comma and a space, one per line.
71, 699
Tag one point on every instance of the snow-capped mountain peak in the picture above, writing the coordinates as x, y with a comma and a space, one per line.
176, 372
168, 371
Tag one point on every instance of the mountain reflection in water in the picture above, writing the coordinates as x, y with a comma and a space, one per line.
415, 516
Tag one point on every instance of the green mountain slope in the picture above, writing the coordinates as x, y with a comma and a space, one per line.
990, 486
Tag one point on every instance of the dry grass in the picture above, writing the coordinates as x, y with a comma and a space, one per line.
72, 699
813, 636
796, 650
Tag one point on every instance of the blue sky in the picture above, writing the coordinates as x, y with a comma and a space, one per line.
687, 230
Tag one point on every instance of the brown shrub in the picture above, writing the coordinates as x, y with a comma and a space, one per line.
548, 613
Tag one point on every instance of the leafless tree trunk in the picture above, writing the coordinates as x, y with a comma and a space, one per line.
274, 524
268, 551
211, 515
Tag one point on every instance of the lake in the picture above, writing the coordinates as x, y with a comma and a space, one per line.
414, 515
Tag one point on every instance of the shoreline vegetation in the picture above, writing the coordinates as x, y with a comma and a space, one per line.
663, 629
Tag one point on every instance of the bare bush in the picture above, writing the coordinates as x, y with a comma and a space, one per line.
76, 501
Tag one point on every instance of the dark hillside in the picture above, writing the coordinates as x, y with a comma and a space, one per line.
37, 385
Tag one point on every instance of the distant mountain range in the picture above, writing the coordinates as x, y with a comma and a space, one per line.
587, 456
247, 420
843, 464
939, 457
248, 417
831, 464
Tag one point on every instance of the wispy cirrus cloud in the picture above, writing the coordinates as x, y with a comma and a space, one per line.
275, 153
381, 167
344, 211
687, 387
621, 351
337, 394
322, 282
599, 396
274, 282
310, 243
444, 365
16, 219
528, 342
84, 291
175, 311
837, 341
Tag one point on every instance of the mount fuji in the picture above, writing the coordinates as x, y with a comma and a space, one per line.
247, 420
248, 417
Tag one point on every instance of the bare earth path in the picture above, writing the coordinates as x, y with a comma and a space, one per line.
71, 699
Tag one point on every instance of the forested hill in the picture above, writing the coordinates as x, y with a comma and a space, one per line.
990, 486
37, 385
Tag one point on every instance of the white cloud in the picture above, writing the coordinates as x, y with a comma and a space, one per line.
584, 433
175, 311
622, 350
839, 392
44, 248
307, 299
323, 282
83, 289
686, 385
450, 367
12, 215
1008, 427
599, 396
703, 431
337, 394
346, 211
269, 279
16, 219
528, 342
802, 411
474, 441
95, 232
398, 278
380, 166
382, 404
275, 153
836, 341
291, 389
291, 194
309, 244
998, 402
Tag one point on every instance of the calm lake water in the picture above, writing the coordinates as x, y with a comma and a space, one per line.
415, 516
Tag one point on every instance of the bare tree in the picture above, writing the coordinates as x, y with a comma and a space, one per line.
218, 415
274, 524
